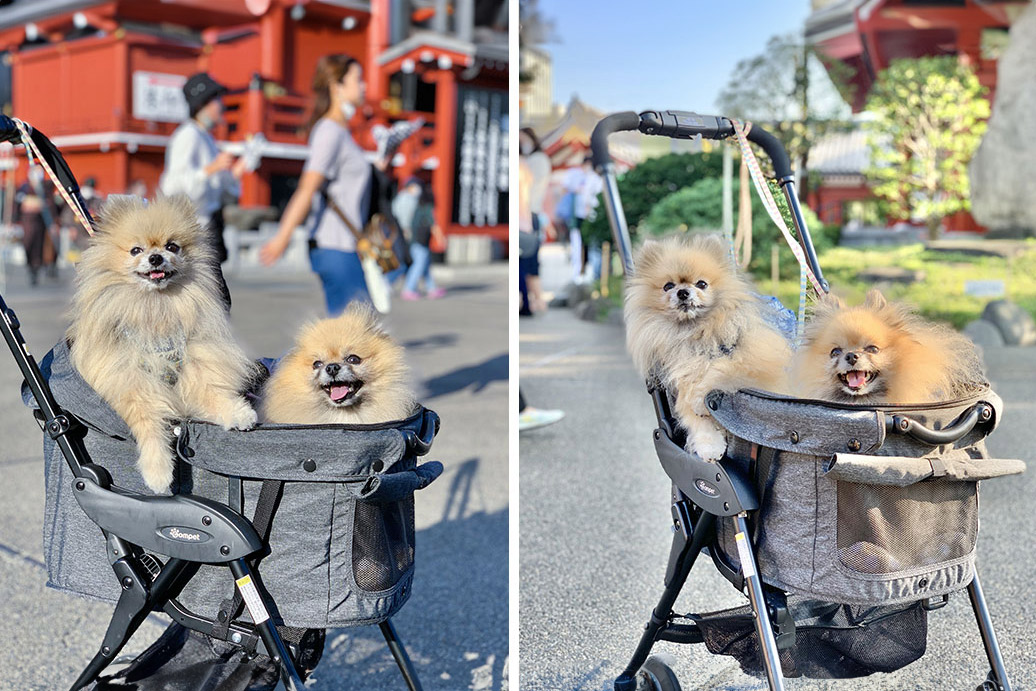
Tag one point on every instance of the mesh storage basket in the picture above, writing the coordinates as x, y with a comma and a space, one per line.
342, 537
851, 512
832, 641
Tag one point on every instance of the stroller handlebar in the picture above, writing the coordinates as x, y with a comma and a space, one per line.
8, 131
682, 124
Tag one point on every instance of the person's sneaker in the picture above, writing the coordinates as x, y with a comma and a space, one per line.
409, 295
531, 418
436, 294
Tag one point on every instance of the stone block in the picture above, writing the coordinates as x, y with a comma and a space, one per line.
1015, 324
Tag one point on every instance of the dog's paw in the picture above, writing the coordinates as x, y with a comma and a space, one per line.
239, 416
156, 467
710, 445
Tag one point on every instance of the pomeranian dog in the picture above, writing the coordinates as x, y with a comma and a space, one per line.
881, 353
344, 370
148, 329
694, 321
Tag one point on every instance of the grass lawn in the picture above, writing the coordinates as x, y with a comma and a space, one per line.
939, 295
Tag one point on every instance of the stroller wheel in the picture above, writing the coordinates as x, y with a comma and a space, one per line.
989, 684
656, 675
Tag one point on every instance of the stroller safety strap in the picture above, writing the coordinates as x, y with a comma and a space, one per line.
900, 471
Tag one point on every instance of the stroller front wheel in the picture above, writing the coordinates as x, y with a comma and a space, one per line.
656, 675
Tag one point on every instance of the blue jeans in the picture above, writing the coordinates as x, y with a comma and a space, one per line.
394, 275
341, 275
420, 268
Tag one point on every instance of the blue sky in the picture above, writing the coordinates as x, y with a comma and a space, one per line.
635, 56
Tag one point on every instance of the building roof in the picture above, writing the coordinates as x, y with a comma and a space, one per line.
840, 153
571, 130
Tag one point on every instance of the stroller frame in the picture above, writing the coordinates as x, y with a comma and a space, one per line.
695, 512
128, 521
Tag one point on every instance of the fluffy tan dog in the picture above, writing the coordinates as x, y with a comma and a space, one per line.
694, 320
345, 370
149, 332
881, 353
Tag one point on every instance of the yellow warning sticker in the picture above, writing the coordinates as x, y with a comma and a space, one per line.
254, 602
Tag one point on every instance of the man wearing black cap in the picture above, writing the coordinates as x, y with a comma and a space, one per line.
195, 166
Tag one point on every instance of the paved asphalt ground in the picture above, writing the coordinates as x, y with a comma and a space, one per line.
455, 624
595, 531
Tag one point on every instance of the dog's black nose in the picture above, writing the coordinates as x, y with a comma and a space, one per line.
333, 369
683, 294
155, 259
851, 358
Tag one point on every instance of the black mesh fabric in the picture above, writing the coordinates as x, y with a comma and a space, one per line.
383, 543
887, 530
831, 641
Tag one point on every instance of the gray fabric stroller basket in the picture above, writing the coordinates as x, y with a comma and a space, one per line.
853, 511
342, 537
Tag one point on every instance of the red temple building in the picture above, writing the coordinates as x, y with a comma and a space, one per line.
103, 80
866, 35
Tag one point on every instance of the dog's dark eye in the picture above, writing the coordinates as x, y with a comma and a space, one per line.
836, 352
353, 359
701, 285
668, 286
318, 364
135, 251
172, 247
871, 349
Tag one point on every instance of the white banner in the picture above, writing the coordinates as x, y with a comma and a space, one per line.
158, 96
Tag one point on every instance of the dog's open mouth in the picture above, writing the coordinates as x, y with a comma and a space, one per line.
855, 380
340, 392
156, 275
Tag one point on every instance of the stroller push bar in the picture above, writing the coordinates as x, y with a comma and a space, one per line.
678, 124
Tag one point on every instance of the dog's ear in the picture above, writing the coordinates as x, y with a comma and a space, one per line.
649, 253
875, 300
715, 245
116, 208
369, 317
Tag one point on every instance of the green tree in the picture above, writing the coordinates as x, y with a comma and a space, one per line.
794, 92
643, 186
699, 207
929, 117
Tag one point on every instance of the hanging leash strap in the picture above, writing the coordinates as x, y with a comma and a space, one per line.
34, 156
743, 238
763, 190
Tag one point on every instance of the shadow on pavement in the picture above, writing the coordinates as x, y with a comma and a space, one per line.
477, 377
434, 341
468, 595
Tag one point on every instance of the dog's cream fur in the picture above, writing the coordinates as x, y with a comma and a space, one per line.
351, 352
716, 338
156, 350
893, 355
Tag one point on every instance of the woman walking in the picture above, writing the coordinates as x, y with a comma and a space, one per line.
333, 193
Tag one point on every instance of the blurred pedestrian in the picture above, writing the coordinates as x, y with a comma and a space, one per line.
404, 205
36, 212
531, 418
533, 225
333, 193
424, 232
582, 185
194, 165
77, 234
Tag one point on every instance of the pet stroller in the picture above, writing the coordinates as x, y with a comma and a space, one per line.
845, 525
331, 507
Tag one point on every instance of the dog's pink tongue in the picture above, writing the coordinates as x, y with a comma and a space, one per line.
856, 379
158, 274
339, 392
